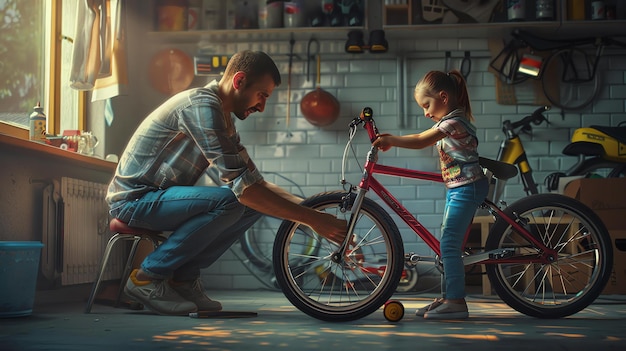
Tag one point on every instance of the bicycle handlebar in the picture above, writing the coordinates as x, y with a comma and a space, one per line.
367, 115
535, 118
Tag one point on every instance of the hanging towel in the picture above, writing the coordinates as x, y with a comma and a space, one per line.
85, 52
99, 55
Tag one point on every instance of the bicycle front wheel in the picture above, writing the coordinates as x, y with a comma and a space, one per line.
574, 279
344, 288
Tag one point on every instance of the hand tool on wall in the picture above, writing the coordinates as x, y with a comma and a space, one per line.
292, 43
312, 50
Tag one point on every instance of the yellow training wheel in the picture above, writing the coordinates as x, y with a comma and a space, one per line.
393, 310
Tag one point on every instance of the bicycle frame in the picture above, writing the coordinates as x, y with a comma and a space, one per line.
369, 182
512, 151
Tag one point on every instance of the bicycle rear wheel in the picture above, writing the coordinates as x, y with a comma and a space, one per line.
574, 279
351, 287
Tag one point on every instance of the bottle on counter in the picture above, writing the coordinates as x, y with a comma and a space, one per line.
38, 124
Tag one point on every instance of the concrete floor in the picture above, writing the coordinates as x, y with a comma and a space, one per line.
58, 323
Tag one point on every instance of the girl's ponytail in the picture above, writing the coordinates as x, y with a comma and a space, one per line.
462, 96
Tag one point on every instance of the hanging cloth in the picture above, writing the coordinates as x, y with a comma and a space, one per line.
99, 52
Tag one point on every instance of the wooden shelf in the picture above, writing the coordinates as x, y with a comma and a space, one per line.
554, 29
243, 35
408, 23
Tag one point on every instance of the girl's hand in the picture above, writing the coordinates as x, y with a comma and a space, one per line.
382, 142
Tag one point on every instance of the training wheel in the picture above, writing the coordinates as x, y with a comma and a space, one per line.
393, 310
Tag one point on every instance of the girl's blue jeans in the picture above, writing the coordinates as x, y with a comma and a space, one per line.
461, 205
205, 221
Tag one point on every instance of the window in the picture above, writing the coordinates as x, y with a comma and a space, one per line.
22, 63
34, 65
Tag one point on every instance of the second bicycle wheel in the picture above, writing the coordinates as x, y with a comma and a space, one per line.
352, 286
574, 278
575, 82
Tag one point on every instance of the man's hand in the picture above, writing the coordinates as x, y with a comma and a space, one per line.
277, 203
330, 227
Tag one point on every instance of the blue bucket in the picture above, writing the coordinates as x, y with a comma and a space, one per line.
19, 265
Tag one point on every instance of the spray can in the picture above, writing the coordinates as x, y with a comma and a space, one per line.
516, 10
38, 124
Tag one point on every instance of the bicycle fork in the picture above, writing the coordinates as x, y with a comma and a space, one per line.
354, 206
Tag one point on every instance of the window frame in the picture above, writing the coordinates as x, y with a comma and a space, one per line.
52, 79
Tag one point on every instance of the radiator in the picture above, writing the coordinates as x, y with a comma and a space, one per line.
81, 234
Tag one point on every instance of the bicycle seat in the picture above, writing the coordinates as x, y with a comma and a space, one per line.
618, 133
500, 170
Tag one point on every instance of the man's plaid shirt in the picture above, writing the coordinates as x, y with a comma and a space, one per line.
176, 143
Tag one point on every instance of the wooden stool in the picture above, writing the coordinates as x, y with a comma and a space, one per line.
122, 233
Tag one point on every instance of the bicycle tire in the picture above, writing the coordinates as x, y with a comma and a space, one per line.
570, 283
573, 93
357, 286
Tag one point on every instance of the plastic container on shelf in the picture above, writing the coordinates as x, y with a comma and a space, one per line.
271, 14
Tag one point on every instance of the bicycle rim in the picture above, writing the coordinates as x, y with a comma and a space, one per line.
572, 281
578, 83
356, 286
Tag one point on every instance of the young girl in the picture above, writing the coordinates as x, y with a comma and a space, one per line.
445, 100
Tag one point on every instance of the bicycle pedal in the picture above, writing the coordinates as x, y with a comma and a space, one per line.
502, 254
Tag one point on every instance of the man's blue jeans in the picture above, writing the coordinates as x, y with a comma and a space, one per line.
205, 221
461, 204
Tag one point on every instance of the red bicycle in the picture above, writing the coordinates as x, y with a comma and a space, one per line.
546, 255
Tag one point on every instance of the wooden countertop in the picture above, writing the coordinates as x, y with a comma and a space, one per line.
55, 154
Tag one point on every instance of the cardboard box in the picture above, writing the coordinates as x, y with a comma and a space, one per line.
605, 196
614, 219
617, 282
599, 193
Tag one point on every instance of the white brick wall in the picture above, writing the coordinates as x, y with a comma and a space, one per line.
311, 156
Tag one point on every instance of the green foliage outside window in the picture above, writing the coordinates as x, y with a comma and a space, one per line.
21, 56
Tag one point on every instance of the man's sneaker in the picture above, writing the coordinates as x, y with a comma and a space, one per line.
194, 292
158, 296
448, 311
420, 312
